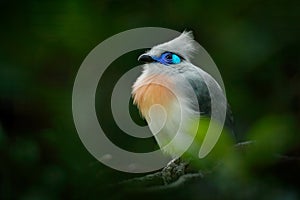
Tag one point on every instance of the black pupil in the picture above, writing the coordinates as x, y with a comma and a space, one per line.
169, 56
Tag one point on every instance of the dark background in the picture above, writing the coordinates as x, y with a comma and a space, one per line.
255, 45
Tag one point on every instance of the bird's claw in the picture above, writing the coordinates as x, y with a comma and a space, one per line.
173, 170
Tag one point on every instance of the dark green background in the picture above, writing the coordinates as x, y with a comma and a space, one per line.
254, 43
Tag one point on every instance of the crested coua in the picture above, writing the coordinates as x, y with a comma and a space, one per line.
175, 97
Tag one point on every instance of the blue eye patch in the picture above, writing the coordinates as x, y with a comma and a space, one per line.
175, 59
168, 58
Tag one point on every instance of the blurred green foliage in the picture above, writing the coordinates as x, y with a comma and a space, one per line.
254, 43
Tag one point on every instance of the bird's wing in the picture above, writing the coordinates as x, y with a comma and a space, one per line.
196, 79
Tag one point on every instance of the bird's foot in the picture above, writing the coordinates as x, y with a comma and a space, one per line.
175, 169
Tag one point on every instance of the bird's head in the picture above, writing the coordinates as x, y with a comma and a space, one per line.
163, 72
174, 52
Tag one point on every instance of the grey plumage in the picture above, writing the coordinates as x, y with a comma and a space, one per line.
197, 92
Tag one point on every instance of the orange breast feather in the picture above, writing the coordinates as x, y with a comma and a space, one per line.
152, 90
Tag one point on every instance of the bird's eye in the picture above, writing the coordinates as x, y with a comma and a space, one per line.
170, 58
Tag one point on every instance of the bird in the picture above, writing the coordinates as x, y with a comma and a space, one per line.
174, 97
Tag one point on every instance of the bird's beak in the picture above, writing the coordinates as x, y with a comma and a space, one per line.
145, 58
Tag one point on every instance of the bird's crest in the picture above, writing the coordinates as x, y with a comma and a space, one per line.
183, 45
